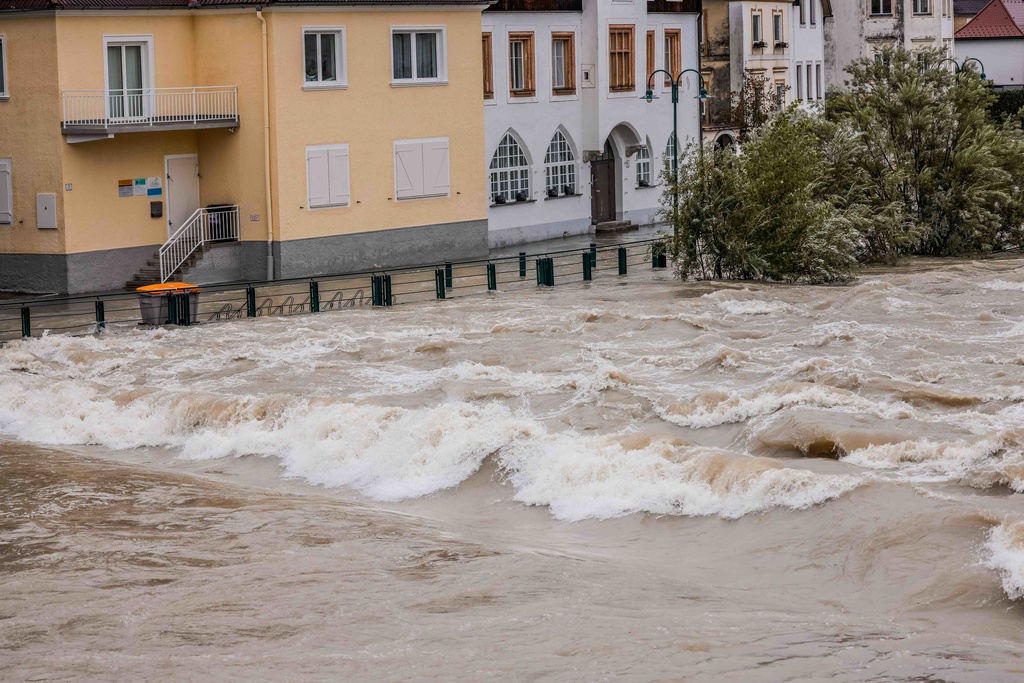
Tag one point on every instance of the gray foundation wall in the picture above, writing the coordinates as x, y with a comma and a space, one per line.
380, 249
509, 237
34, 273
107, 269
230, 262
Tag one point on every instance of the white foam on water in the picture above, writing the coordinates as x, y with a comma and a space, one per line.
603, 477
986, 461
1005, 548
752, 307
1003, 286
713, 408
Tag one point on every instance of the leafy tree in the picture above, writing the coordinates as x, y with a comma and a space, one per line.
762, 214
1008, 104
940, 176
753, 104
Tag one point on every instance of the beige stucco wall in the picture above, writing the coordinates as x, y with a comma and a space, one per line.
369, 116
228, 51
30, 132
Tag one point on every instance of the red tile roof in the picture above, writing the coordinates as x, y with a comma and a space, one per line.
999, 19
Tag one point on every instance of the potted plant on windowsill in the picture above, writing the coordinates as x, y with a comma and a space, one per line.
644, 183
521, 196
569, 190
781, 45
499, 199
760, 44
552, 192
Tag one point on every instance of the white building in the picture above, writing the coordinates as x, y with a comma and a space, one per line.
778, 40
860, 28
995, 37
571, 144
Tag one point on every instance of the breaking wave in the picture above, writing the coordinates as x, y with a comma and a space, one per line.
394, 453
1005, 548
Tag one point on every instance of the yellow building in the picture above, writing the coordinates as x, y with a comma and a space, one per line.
327, 137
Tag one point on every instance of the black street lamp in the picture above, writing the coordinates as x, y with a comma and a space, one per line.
958, 68
703, 95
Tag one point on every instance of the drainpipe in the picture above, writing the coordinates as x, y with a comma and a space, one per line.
266, 146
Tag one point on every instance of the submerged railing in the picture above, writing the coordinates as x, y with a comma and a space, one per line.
88, 314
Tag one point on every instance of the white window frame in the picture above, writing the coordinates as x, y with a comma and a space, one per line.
881, 8
756, 36
148, 69
558, 72
814, 11
5, 92
9, 189
820, 81
923, 7
800, 81
424, 142
515, 174
778, 29
643, 167
328, 149
442, 56
561, 168
340, 56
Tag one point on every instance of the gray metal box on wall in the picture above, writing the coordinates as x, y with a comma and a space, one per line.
46, 211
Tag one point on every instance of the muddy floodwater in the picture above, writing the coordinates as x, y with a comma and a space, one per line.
645, 480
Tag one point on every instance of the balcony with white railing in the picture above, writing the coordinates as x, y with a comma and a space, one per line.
98, 112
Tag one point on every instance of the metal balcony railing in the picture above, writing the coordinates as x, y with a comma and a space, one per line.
205, 225
156, 107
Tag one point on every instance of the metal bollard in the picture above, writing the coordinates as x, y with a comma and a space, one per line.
250, 301
314, 296
492, 278
448, 274
522, 264
587, 266
622, 260
593, 254
101, 318
439, 282
26, 322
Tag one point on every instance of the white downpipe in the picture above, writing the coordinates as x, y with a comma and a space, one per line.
266, 147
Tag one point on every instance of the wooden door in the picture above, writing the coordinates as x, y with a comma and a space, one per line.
602, 190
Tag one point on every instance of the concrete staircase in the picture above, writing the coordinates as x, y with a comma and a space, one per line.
149, 274
615, 226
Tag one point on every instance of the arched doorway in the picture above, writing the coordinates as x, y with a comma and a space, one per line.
603, 204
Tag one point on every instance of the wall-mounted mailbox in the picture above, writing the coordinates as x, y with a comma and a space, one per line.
46, 211
156, 209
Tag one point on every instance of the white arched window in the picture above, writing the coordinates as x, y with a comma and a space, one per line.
643, 167
560, 167
510, 172
671, 149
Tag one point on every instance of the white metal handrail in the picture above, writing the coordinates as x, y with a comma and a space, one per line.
149, 105
205, 225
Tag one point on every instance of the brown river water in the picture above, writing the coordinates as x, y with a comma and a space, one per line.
638, 480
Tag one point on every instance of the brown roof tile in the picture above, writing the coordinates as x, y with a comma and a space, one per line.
998, 19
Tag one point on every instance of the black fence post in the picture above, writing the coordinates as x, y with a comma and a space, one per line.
386, 282
26, 322
587, 266
314, 296
539, 265
250, 301
622, 260
439, 282
101, 318
492, 278
522, 264
593, 254
448, 274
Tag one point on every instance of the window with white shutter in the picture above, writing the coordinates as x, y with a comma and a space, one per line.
422, 168
327, 176
6, 194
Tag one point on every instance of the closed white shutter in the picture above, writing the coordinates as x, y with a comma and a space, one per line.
6, 194
337, 170
317, 177
408, 169
435, 167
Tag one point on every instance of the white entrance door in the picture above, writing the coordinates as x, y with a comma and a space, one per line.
182, 172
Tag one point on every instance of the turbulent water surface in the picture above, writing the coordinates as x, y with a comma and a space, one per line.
648, 480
